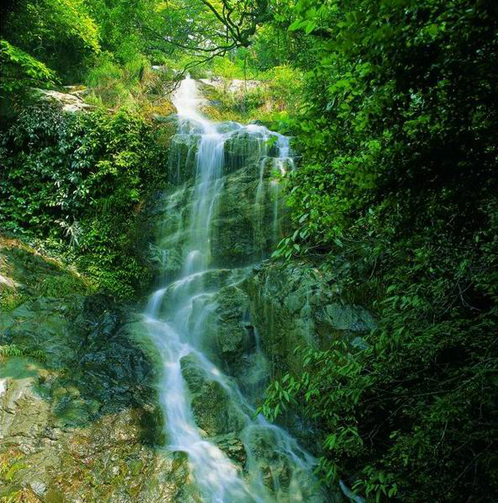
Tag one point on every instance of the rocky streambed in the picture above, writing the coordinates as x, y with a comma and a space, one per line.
81, 417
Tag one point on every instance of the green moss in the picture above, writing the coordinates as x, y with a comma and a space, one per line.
62, 286
10, 299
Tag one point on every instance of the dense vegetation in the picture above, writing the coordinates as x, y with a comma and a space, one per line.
73, 184
76, 181
393, 105
399, 177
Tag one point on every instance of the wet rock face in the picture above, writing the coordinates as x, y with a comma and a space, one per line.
182, 159
103, 461
229, 331
248, 220
296, 304
248, 216
79, 419
87, 355
243, 150
251, 235
213, 410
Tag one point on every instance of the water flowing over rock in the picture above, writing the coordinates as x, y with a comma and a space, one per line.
223, 217
107, 404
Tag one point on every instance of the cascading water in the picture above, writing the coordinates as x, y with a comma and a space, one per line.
272, 468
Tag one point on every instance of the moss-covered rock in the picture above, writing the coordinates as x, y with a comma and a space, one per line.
248, 221
182, 158
79, 419
297, 303
244, 148
214, 411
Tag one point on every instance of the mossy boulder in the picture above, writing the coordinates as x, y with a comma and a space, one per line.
297, 303
79, 417
243, 149
214, 411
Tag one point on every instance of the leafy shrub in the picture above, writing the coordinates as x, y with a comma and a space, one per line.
78, 180
10, 298
398, 140
132, 84
59, 33
21, 71
12, 350
61, 286
10, 463
226, 68
269, 101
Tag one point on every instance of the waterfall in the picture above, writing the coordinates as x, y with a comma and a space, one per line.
178, 314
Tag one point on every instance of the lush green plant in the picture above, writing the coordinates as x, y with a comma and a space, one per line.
12, 350
10, 299
59, 33
132, 84
78, 180
267, 98
227, 68
397, 137
61, 286
10, 464
21, 71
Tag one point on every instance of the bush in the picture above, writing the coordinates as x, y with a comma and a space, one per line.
59, 33
21, 71
77, 181
398, 176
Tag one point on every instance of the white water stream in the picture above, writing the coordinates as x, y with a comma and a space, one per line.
175, 319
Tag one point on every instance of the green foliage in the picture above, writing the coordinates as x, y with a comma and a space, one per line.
268, 98
78, 180
59, 33
10, 299
377, 115
20, 70
61, 286
122, 75
9, 466
132, 84
12, 350
397, 134
227, 68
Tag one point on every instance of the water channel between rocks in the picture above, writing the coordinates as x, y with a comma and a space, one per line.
211, 373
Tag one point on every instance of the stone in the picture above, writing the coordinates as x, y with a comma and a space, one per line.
69, 102
295, 304
213, 410
182, 158
232, 447
232, 85
79, 417
346, 317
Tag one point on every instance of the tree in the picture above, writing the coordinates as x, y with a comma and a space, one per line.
206, 29
59, 33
